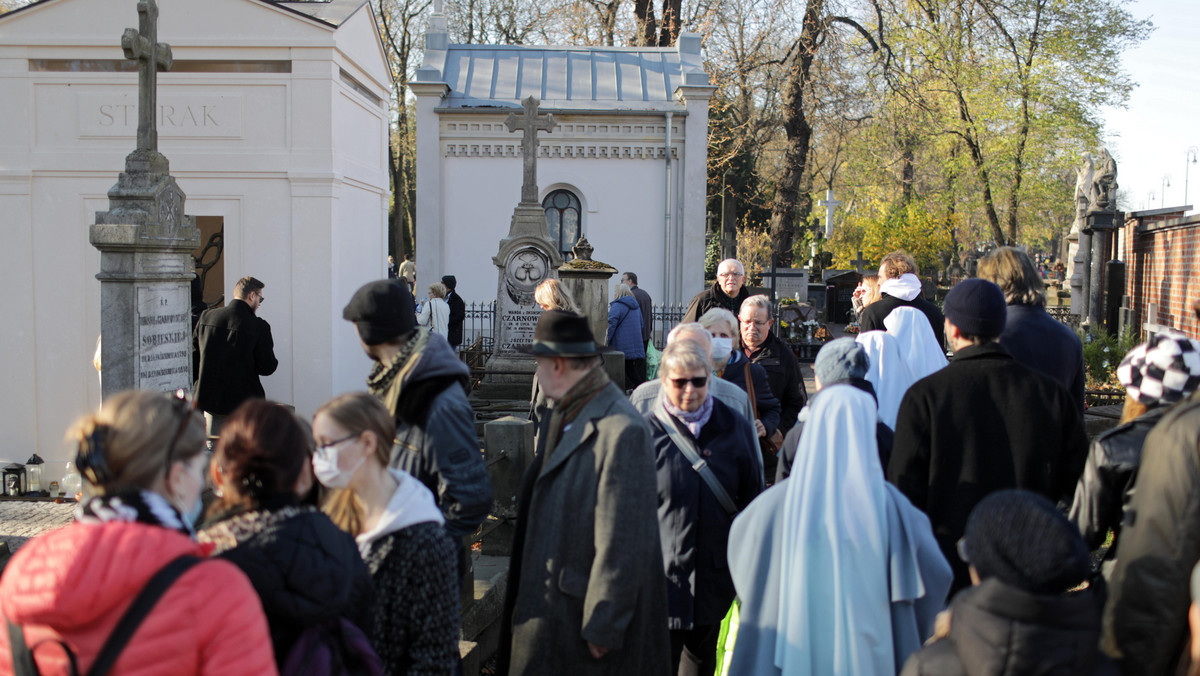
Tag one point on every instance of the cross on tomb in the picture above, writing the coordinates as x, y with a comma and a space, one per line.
529, 122
152, 56
858, 262
830, 204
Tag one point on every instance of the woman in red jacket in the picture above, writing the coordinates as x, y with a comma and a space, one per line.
66, 590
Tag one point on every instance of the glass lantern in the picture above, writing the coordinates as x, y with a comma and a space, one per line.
33, 474
14, 480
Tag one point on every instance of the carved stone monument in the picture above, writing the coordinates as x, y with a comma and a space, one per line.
1079, 247
587, 281
1101, 212
526, 257
145, 244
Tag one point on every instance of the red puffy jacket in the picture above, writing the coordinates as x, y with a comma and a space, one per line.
75, 583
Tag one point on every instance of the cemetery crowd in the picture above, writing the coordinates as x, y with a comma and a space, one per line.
914, 515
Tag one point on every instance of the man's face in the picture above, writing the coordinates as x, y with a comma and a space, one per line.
754, 326
550, 376
626, 281
255, 299
731, 276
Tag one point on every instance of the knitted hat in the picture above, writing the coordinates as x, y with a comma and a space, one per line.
976, 306
1162, 370
381, 311
841, 359
1023, 540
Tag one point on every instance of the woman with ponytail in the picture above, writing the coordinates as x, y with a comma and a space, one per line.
305, 569
64, 592
400, 534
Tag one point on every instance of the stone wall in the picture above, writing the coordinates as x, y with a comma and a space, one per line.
1162, 256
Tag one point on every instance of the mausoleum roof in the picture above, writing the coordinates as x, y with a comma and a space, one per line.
564, 78
332, 12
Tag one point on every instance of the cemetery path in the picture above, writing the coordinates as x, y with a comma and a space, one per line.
21, 520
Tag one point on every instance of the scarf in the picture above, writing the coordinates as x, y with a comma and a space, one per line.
385, 381
145, 507
693, 420
904, 287
567, 408
237, 526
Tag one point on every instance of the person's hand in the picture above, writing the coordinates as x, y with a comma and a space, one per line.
777, 439
759, 428
597, 651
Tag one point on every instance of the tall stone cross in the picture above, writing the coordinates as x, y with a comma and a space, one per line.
530, 123
152, 56
830, 204
858, 262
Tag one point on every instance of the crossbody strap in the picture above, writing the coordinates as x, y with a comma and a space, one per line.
750, 390
22, 656
688, 448
138, 611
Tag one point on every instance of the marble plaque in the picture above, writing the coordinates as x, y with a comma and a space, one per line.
516, 311
790, 287
163, 338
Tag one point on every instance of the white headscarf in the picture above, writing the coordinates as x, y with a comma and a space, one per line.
834, 602
888, 374
917, 341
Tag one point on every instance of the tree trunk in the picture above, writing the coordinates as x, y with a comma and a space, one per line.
647, 26
985, 181
671, 12
799, 137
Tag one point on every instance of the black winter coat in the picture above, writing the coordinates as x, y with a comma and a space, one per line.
783, 372
458, 315
692, 525
983, 423
768, 405
713, 297
1045, 344
235, 348
874, 314
305, 569
1107, 484
1000, 630
1145, 620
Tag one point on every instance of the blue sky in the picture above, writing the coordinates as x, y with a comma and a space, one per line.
1150, 138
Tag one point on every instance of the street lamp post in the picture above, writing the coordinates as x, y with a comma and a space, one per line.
1166, 183
1189, 159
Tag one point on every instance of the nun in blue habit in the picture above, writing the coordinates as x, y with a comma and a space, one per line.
837, 572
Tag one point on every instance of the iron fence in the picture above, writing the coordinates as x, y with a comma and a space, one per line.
663, 318
1063, 314
479, 326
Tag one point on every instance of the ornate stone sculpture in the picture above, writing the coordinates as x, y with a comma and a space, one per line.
1104, 185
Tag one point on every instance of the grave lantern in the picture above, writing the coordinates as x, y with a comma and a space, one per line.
33, 472
14, 480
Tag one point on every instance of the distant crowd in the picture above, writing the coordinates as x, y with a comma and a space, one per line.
694, 511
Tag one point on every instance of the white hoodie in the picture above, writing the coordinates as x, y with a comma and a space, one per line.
904, 287
412, 503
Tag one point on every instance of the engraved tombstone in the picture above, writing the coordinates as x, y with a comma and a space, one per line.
526, 257
145, 244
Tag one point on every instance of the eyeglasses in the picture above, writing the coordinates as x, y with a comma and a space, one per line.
697, 382
325, 448
185, 405
731, 274
759, 324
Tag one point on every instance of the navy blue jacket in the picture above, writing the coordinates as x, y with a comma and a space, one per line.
625, 327
768, 406
1045, 345
692, 525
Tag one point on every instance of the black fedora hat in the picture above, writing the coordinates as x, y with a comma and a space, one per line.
561, 334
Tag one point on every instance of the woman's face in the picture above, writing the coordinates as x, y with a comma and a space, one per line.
187, 481
682, 390
724, 330
334, 441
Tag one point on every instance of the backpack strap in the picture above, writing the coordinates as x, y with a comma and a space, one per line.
138, 611
22, 656
688, 447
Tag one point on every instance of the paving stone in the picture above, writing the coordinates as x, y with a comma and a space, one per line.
20, 521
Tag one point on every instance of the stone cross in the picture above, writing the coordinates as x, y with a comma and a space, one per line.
858, 262
830, 204
529, 122
152, 56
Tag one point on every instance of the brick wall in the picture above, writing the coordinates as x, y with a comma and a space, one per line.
1161, 252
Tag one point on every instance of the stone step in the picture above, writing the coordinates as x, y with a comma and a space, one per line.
480, 636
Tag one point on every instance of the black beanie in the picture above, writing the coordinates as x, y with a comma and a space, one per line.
1022, 539
976, 306
381, 311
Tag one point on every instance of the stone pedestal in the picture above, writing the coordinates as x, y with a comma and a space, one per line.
526, 258
146, 268
587, 282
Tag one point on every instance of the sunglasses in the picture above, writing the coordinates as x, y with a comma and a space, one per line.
697, 382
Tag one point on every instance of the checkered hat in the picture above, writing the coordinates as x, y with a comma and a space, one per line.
1162, 370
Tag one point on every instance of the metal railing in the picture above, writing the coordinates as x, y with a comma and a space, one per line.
1063, 314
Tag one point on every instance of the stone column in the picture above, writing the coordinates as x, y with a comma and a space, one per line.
587, 281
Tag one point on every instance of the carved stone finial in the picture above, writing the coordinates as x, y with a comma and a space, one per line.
582, 249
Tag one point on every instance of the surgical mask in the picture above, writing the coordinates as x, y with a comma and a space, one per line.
193, 514
721, 347
325, 466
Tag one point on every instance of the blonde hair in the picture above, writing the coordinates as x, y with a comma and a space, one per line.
1013, 271
621, 291
898, 263
1132, 409
551, 292
437, 290
133, 432
718, 315
357, 413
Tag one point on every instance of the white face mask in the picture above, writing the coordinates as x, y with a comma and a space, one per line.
325, 466
721, 348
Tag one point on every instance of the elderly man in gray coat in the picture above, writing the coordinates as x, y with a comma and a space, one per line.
590, 593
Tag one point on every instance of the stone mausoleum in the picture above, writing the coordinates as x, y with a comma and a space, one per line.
274, 117
624, 166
